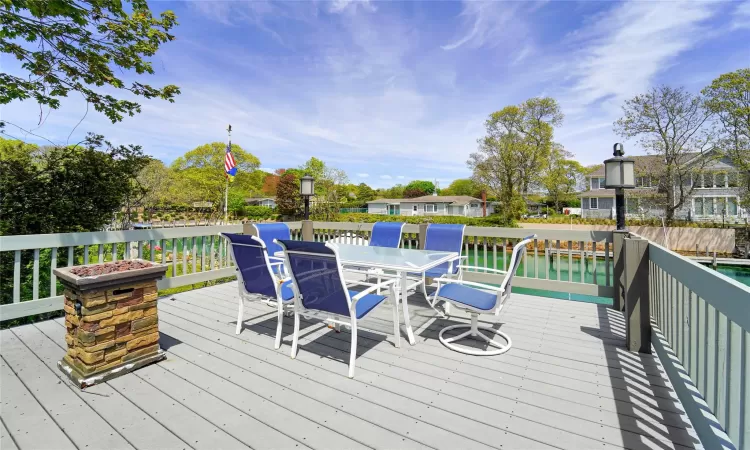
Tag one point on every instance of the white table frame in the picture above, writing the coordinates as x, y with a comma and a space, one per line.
402, 271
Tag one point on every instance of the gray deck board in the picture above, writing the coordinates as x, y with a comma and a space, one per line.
47, 341
81, 423
576, 420
567, 383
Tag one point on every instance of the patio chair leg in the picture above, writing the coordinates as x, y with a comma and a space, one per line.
353, 351
296, 332
240, 316
396, 321
378, 290
280, 320
474, 330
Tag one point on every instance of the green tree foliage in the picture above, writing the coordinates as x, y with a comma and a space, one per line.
396, 191
728, 97
330, 190
287, 195
157, 186
673, 124
200, 174
365, 193
514, 151
70, 46
561, 176
463, 186
418, 188
65, 189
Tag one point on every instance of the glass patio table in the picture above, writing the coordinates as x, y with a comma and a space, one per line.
403, 261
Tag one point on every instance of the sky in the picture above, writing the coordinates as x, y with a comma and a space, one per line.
395, 91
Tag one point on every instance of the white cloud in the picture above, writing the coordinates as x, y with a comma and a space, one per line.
363, 175
338, 6
400, 177
491, 23
741, 16
385, 177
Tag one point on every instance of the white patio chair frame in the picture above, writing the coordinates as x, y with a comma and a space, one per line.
503, 294
337, 319
280, 305
379, 273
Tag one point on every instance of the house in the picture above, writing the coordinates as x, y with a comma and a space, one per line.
716, 195
268, 202
535, 209
429, 205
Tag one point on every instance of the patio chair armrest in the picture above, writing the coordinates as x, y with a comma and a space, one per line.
469, 283
280, 258
483, 268
276, 263
371, 289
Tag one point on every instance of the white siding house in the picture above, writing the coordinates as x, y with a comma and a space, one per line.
431, 205
267, 202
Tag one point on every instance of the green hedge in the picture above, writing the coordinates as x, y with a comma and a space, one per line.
258, 212
490, 221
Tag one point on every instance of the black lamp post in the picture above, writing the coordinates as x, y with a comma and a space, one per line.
619, 173
306, 190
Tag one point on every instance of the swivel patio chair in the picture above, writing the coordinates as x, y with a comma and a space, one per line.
257, 278
320, 291
475, 299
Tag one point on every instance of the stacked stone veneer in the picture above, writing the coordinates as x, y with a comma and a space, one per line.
115, 326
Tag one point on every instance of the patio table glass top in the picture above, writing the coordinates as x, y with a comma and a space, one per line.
400, 259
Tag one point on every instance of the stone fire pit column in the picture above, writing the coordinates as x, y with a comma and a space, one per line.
112, 319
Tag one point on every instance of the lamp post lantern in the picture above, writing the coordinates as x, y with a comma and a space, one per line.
619, 173
306, 190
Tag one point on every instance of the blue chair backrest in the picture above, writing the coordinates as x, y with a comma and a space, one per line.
267, 232
386, 234
515, 261
315, 270
445, 237
251, 258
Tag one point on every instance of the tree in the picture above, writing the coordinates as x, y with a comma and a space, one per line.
65, 189
328, 183
156, 182
463, 186
74, 46
728, 97
672, 124
201, 176
396, 191
365, 193
287, 195
562, 176
270, 182
536, 122
419, 188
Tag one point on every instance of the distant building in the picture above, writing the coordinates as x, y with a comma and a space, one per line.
264, 201
429, 205
715, 197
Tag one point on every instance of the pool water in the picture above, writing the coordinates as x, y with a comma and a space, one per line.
739, 273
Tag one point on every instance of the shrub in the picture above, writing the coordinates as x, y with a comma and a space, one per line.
258, 212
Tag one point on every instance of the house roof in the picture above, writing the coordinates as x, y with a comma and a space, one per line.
611, 192
258, 199
646, 163
386, 200
452, 199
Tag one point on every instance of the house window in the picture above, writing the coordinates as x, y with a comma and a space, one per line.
429, 207
698, 206
594, 183
415, 208
733, 179
708, 206
731, 206
720, 180
644, 182
720, 205
593, 203
706, 180
631, 205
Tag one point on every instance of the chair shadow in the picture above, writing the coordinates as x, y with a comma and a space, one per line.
617, 366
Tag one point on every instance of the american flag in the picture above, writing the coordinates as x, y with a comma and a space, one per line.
230, 166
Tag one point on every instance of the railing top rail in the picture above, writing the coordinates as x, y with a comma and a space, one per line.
728, 296
562, 235
33, 241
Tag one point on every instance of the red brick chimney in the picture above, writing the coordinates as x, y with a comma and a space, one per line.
484, 203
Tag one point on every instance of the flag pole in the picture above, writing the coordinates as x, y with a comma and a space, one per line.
226, 189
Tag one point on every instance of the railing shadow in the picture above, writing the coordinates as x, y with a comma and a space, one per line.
638, 384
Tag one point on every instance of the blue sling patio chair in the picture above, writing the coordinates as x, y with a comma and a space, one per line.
268, 232
257, 279
321, 291
384, 234
477, 298
442, 237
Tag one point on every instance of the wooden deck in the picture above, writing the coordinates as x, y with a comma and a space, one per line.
566, 383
